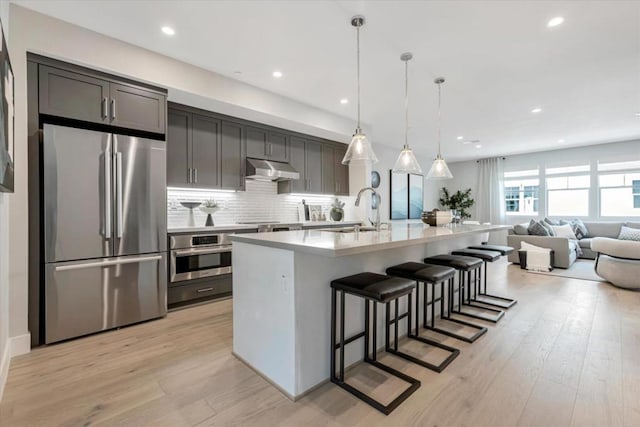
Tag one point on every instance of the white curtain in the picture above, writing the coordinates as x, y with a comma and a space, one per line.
490, 204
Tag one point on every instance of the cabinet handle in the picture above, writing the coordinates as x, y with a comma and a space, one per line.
188, 175
104, 108
113, 109
204, 290
195, 175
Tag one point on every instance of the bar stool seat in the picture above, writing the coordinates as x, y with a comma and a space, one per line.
433, 274
463, 263
377, 287
484, 255
422, 272
504, 250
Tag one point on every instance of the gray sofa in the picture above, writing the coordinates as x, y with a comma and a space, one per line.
565, 249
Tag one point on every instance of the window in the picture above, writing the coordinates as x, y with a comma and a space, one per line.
568, 190
619, 186
521, 192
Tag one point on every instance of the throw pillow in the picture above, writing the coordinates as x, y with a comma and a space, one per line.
521, 229
579, 229
628, 233
550, 222
549, 228
564, 231
537, 229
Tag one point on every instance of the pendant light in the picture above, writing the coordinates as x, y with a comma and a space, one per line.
406, 162
439, 168
359, 149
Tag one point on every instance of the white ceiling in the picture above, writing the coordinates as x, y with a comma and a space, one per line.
499, 58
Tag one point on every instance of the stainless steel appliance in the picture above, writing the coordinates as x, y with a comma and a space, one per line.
199, 255
269, 170
104, 231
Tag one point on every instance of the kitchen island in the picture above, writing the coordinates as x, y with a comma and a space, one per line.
281, 292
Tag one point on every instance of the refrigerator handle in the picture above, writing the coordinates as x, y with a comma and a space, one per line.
107, 195
108, 263
119, 195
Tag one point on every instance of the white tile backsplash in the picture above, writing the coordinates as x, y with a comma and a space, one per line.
260, 202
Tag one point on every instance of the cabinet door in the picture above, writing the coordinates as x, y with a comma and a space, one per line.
178, 149
328, 169
341, 172
231, 156
71, 95
136, 108
205, 148
313, 153
277, 147
297, 147
256, 143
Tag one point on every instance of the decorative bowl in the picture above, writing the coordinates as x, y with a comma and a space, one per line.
190, 205
209, 210
437, 217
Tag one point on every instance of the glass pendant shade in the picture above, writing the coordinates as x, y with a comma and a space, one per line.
359, 150
407, 162
439, 169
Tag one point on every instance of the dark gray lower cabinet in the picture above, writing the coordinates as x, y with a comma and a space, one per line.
232, 156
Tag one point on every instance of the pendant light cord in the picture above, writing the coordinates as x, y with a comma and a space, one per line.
406, 104
439, 118
358, 71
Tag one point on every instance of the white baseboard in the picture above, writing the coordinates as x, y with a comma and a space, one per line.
20, 344
15, 347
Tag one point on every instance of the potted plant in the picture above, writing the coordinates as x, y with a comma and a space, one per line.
459, 202
337, 210
209, 207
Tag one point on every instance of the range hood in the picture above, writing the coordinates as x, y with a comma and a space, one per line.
268, 170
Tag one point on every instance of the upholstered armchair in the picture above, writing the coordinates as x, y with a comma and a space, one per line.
618, 261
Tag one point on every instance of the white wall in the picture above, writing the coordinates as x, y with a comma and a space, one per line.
4, 253
465, 174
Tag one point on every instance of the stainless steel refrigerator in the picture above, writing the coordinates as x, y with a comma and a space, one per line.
104, 231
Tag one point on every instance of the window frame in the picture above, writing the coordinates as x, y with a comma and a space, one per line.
521, 176
634, 195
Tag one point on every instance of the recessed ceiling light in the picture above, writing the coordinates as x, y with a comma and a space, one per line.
638, 114
168, 31
554, 22
459, 138
277, 74
478, 145
536, 110
344, 101
561, 141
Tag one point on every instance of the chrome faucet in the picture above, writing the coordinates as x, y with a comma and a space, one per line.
376, 224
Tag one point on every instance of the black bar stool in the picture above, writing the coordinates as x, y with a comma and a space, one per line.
486, 256
503, 302
432, 274
374, 288
466, 266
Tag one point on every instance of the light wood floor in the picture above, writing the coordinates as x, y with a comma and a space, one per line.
567, 354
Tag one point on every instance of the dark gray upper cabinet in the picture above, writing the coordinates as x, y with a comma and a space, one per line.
205, 151
298, 161
335, 175
73, 95
277, 147
256, 143
76, 93
134, 108
179, 148
232, 156
313, 170
328, 169
342, 171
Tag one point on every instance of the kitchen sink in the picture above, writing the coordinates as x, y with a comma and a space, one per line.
348, 229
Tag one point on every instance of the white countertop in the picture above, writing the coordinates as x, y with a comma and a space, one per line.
233, 227
333, 244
